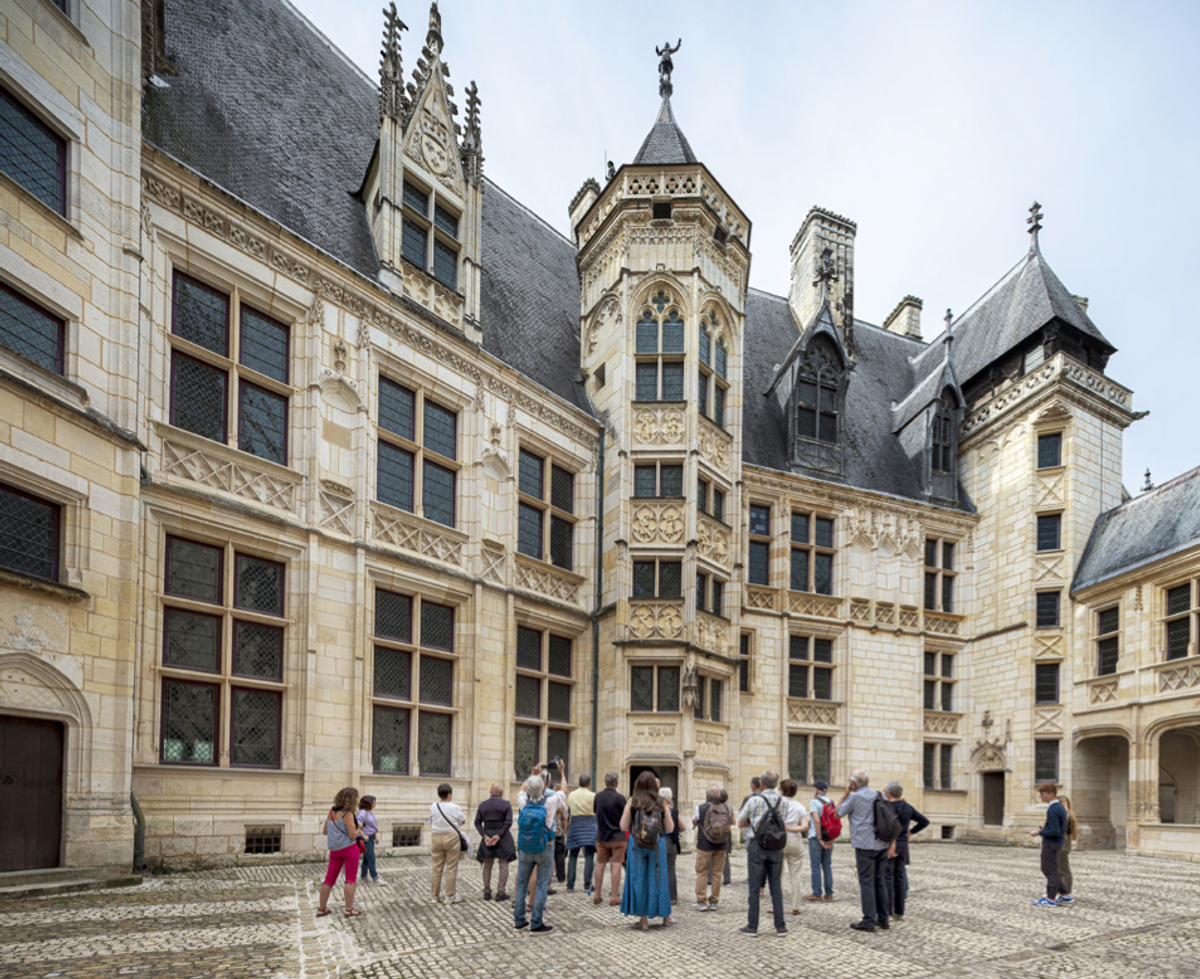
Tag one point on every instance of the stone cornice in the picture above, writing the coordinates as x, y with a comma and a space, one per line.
1066, 377
164, 184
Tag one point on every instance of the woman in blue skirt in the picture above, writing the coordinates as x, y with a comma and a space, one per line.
647, 820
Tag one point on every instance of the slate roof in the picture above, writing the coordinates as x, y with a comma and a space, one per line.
1028, 297
665, 144
882, 374
941, 376
1154, 525
820, 325
266, 108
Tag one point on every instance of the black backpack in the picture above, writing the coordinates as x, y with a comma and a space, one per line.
887, 823
770, 832
647, 827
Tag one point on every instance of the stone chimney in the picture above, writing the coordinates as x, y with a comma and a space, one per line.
583, 199
823, 229
905, 319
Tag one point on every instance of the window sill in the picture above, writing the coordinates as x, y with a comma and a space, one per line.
962, 792
53, 589
45, 209
34, 373
65, 20
648, 404
224, 770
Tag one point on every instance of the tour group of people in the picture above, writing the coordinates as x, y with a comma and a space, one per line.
639, 838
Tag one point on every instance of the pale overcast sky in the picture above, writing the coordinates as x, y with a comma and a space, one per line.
933, 125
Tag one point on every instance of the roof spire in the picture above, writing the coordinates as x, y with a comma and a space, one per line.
665, 67
391, 84
1149, 484
1035, 224
825, 272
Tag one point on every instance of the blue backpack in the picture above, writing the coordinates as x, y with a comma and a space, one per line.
532, 833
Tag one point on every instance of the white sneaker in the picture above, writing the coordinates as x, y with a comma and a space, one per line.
435, 900
381, 882
455, 899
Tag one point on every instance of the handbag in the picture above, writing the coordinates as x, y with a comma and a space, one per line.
463, 845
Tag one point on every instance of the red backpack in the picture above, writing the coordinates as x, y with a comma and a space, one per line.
831, 822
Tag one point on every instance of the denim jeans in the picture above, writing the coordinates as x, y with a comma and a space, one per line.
820, 860
766, 866
368, 860
544, 862
589, 855
874, 885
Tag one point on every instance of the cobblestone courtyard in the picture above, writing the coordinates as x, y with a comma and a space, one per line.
969, 915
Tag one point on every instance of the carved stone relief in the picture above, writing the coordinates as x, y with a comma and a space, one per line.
658, 523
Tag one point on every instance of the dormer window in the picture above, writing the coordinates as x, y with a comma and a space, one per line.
430, 245
817, 408
943, 450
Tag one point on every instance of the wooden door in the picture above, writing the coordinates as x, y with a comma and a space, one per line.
993, 798
31, 773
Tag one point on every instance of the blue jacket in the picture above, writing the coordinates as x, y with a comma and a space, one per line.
1055, 830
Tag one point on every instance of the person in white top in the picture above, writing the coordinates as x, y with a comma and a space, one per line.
795, 821
446, 820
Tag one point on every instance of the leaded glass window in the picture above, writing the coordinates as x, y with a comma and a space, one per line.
943, 449
938, 767
416, 461
1108, 644
224, 617
29, 534
1045, 761
1049, 532
32, 153
711, 383
939, 681
1046, 683
1049, 450
1048, 609
812, 553
262, 423
939, 575
545, 510
418, 232
412, 677
198, 396
659, 346
31, 331
543, 690
1181, 613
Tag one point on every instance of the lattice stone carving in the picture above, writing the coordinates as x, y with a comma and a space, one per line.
760, 598
1050, 490
1049, 568
820, 606
714, 449
940, 625
1103, 691
1179, 678
860, 610
547, 582
1049, 647
663, 621
337, 513
411, 536
936, 723
1048, 720
810, 712
659, 425
492, 563
910, 617
711, 633
244, 481
885, 613
658, 523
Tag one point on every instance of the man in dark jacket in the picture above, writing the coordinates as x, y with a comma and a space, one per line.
610, 838
494, 819
1053, 834
899, 873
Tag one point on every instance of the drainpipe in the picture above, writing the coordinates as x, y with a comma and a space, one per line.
596, 605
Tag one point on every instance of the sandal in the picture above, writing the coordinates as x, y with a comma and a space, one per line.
323, 914
353, 913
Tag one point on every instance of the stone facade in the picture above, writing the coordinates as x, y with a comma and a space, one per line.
382, 553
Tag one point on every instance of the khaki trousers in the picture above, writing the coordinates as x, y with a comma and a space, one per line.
706, 860
445, 850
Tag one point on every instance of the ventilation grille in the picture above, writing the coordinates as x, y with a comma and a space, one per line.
264, 839
406, 836
947, 832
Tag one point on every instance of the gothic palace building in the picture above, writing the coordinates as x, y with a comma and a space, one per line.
324, 461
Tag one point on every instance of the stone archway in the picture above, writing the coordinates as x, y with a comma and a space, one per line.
1100, 789
1179, 775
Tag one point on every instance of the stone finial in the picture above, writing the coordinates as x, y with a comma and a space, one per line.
1148, 484
1035, 223
666, 66
472, 142
825, 273
433, 40
391, 82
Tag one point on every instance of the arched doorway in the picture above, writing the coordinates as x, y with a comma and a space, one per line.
1179, 776
1100, 790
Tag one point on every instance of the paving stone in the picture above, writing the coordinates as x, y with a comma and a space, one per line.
969, 916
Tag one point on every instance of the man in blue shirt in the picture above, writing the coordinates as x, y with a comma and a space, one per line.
870, 853
1053, 834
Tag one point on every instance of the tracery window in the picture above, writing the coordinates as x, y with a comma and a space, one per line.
712, 381
418, 231
818, 397
659, 350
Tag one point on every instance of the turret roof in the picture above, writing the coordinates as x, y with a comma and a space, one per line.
665, 144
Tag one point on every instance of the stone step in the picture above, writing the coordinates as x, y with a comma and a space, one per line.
66, 880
